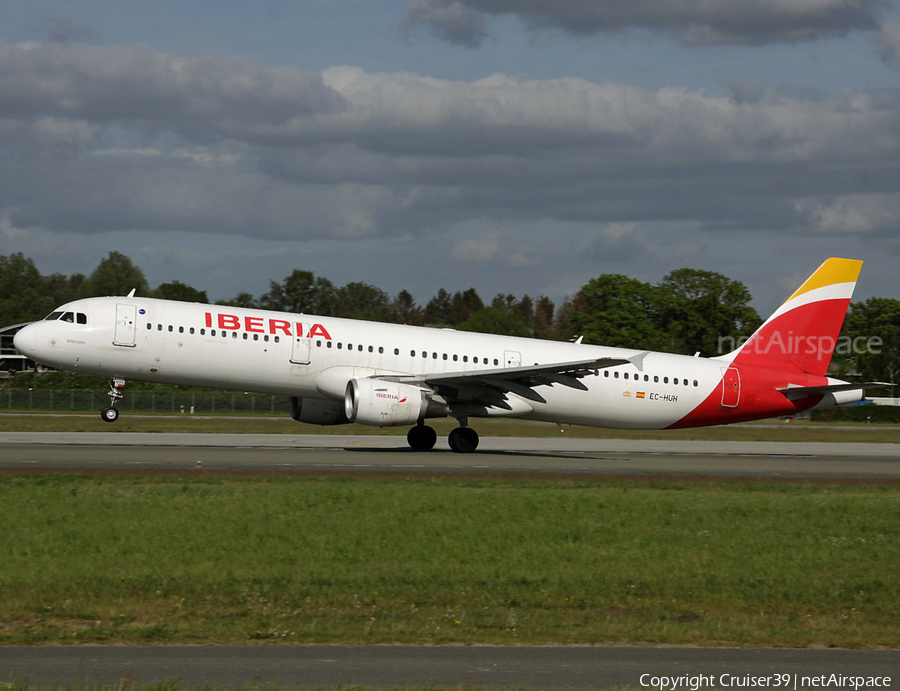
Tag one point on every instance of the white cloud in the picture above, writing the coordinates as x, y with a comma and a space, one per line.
215, 145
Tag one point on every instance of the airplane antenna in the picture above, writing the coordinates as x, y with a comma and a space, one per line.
131, 294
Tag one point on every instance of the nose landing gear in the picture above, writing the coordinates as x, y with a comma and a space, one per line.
111, 413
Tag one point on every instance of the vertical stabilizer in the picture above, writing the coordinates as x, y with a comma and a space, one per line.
803, 332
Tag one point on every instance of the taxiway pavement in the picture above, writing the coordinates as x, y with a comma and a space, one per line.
545, 667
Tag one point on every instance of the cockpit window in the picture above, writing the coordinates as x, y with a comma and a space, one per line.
81, 318
69, 317
53, 316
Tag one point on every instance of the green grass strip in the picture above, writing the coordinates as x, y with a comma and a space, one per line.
205, 559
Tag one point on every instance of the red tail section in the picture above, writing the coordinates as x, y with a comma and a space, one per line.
793, 348
803, 332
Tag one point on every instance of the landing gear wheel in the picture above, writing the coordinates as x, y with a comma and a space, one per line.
463, 440
109, 414
421, 438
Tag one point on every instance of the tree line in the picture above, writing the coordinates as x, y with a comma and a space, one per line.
687, 312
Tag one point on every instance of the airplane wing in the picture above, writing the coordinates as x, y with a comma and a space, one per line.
490, 387
795, 391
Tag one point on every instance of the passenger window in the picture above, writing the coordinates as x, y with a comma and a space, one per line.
327, 343
656, 379
412, 353
665, 380
149, 326
192, 331
202, 332
224, 334
340, 346
396, 351
496, 361
181, 329
256, 337
81, 318
380, 350
277, 339
159, 328
424, 354
675, 381
455, 358
266, 339
465, 358
171, 328
349, 346
370, 349
616, 375
646, 377
359, 348
246, 336
606, 373
234, 335
318, 344
695, 383
626, 375
434, 356
445, 356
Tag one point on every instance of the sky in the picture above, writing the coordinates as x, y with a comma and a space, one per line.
513, 146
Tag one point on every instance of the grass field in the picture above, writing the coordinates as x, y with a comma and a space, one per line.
217, 559
773, 430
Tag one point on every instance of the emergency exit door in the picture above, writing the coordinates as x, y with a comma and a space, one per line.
300, 351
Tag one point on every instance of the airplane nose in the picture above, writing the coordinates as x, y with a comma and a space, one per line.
25, 340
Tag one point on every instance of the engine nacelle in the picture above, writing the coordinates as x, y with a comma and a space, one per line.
384, 403
317, 411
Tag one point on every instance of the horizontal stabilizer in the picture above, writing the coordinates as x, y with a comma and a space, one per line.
794, 392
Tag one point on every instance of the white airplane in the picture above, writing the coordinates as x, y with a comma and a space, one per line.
337, 371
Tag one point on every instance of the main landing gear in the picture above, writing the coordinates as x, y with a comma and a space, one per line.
462, 440
111, 413
421, 437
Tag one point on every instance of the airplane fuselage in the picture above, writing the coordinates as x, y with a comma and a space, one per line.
314, 357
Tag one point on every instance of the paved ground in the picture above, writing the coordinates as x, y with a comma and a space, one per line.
571, 667
564, 455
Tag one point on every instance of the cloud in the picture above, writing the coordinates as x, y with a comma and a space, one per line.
103, 138
887, 40
450, 21
852, 214
712, 22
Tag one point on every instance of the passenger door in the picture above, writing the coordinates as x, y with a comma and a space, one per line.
126, 316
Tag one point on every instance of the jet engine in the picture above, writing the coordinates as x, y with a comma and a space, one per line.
317, 411
384, 403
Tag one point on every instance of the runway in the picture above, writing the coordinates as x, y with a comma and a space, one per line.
60, 451
544, 667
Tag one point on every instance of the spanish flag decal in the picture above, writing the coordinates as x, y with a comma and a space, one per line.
641, 394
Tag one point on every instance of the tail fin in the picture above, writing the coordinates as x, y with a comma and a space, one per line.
802, 333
